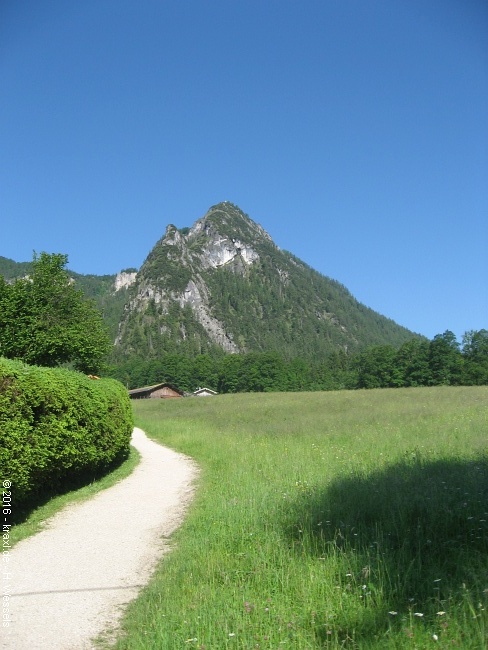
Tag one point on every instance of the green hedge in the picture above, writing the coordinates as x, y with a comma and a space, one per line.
57, 425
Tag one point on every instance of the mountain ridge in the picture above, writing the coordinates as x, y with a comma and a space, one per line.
223, 286
224, 282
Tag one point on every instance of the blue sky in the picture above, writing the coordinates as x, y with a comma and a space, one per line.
354, 131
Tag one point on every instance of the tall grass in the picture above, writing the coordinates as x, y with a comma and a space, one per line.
324, 520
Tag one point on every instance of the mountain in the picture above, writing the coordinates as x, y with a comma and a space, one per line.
12, 270
108, 291
223, 286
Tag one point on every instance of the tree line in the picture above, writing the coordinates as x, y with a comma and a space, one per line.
418, 362
46, 321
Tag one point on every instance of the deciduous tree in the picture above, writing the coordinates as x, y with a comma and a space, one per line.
475, 354
45, 320
445, 360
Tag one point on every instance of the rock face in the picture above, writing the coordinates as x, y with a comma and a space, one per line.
198, 303
224, 285
210, 244
123, 280
222, 250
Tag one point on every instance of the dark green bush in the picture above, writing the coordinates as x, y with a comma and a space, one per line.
57, 425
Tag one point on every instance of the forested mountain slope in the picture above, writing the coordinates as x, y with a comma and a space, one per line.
223, 286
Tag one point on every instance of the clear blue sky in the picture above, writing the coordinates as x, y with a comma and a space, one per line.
354, 131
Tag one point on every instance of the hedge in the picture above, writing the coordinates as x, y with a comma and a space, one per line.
57, 425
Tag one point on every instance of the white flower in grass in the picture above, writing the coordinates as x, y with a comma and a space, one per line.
393, 613
418, 614
232, 634
435, 637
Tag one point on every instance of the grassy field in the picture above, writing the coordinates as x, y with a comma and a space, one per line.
324, 520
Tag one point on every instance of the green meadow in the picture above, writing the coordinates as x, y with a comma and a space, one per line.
352, 519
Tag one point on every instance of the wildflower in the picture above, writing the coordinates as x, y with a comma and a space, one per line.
435, 637
393, 613
418, 614
440, 613
231, 633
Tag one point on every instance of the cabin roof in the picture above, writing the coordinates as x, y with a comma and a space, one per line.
150, 389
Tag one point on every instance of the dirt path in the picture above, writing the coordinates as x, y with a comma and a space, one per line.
70, 581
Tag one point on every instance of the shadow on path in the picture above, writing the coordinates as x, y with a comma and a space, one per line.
22, 511
73, 591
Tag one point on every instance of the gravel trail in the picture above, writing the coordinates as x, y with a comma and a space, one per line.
70, 581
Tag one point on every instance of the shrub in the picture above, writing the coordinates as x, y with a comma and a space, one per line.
57, 425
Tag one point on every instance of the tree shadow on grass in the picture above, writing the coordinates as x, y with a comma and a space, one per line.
413, 537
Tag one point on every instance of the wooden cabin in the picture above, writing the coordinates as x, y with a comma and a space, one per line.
164, 391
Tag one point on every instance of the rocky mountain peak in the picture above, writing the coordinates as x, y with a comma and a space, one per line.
227, 220
223, 236
224, 284
172, 236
